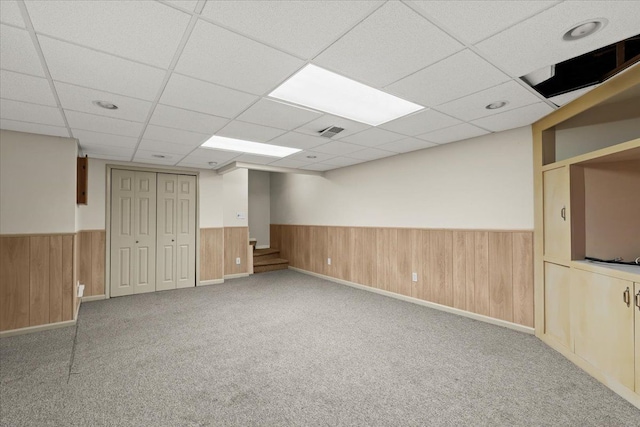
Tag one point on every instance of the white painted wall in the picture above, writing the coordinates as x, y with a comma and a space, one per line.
93, 215
37, 183
259, 207
584, 139
236, 198
479, 183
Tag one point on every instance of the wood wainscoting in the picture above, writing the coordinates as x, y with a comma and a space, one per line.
91, 261
36, 280
211, 254
479, 271
236, 242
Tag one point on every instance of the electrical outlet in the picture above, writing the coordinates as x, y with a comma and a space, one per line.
414, 277
328, 261
238, 261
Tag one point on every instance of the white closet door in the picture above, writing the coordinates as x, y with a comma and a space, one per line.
123, 240
186, 231
167, 198
144, 216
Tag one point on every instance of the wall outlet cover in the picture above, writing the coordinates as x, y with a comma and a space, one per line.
238, 261
414, 277
328, 261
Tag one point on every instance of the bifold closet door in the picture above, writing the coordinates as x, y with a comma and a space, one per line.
176, 266
133, 232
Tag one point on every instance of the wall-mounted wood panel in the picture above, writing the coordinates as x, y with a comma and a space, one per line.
485, 272
211, 253
91, 261
236, 240
36, 280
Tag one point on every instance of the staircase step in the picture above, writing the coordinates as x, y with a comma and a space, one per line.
270, 265
262, 254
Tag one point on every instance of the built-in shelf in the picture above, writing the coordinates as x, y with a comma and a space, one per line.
620, 271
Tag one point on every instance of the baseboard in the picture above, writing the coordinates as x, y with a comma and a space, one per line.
262, 246
210, 282
605, 379
235, 276
93, 298
39, 328
475, 316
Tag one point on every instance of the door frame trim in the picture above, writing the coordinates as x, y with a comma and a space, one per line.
107, 261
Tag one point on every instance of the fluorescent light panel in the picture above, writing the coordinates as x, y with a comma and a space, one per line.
323, 90
242, 146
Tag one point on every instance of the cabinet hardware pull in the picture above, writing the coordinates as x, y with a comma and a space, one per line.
626, 297
638, 300
563, 213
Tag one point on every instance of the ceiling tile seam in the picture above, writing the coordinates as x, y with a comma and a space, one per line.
34, 123
443, 129
176, 56
43, 63
21, 72
489, 112
28, 102
13, 25
504, 112
478, 52
176, 7
403, 136
102, 115
99, 90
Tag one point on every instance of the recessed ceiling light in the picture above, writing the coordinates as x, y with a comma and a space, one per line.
496, 105
323, 90
312, 157
242, 146
584, 29
159, 156
213, 163
105, 104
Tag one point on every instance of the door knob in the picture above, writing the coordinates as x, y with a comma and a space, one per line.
172, 240
137, 241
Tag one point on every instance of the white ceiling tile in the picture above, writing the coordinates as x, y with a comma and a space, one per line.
22, 87
109, 157
473, 21
515, 118
372, 137
566, 98
178, 118
454, 133
457, 76
85, 67
277, 114
144, 156
519, 53
304, 156
338, 148
32, 113
220, 56
343, 161
320, 167
420, 122
103, 124
253, 158
81, 99
190, 5
350, 127
474, 106
175, 136
289, 163
298, 140
371, 154
194, 165
196, 95
390, 44
249, 131
146, 31
109, 152
96, 139
165, 147
18, 52
203, 156
406, 145
300, 27
33, 128
10, 13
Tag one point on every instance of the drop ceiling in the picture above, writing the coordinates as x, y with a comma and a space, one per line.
182, 71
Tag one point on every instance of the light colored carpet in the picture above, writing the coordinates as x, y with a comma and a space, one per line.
284, 348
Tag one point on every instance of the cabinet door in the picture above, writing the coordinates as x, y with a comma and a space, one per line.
557, 227
603, 324
636, 311
557, 303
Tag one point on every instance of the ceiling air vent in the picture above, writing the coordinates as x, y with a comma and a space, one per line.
331, 131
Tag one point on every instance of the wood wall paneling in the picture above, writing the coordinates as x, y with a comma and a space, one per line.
387, 259
39, 258
236, 240
470, 270
501, 276
14, 282
481, 272
405, 261
84, 261
91, 261
440, 267
424, 288
318, 244
523, 279
55, 279
459, 270
211, 253
68, 282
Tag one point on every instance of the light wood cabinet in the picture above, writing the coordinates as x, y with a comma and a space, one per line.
557, 228
636, 311
603, 324
557, 307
